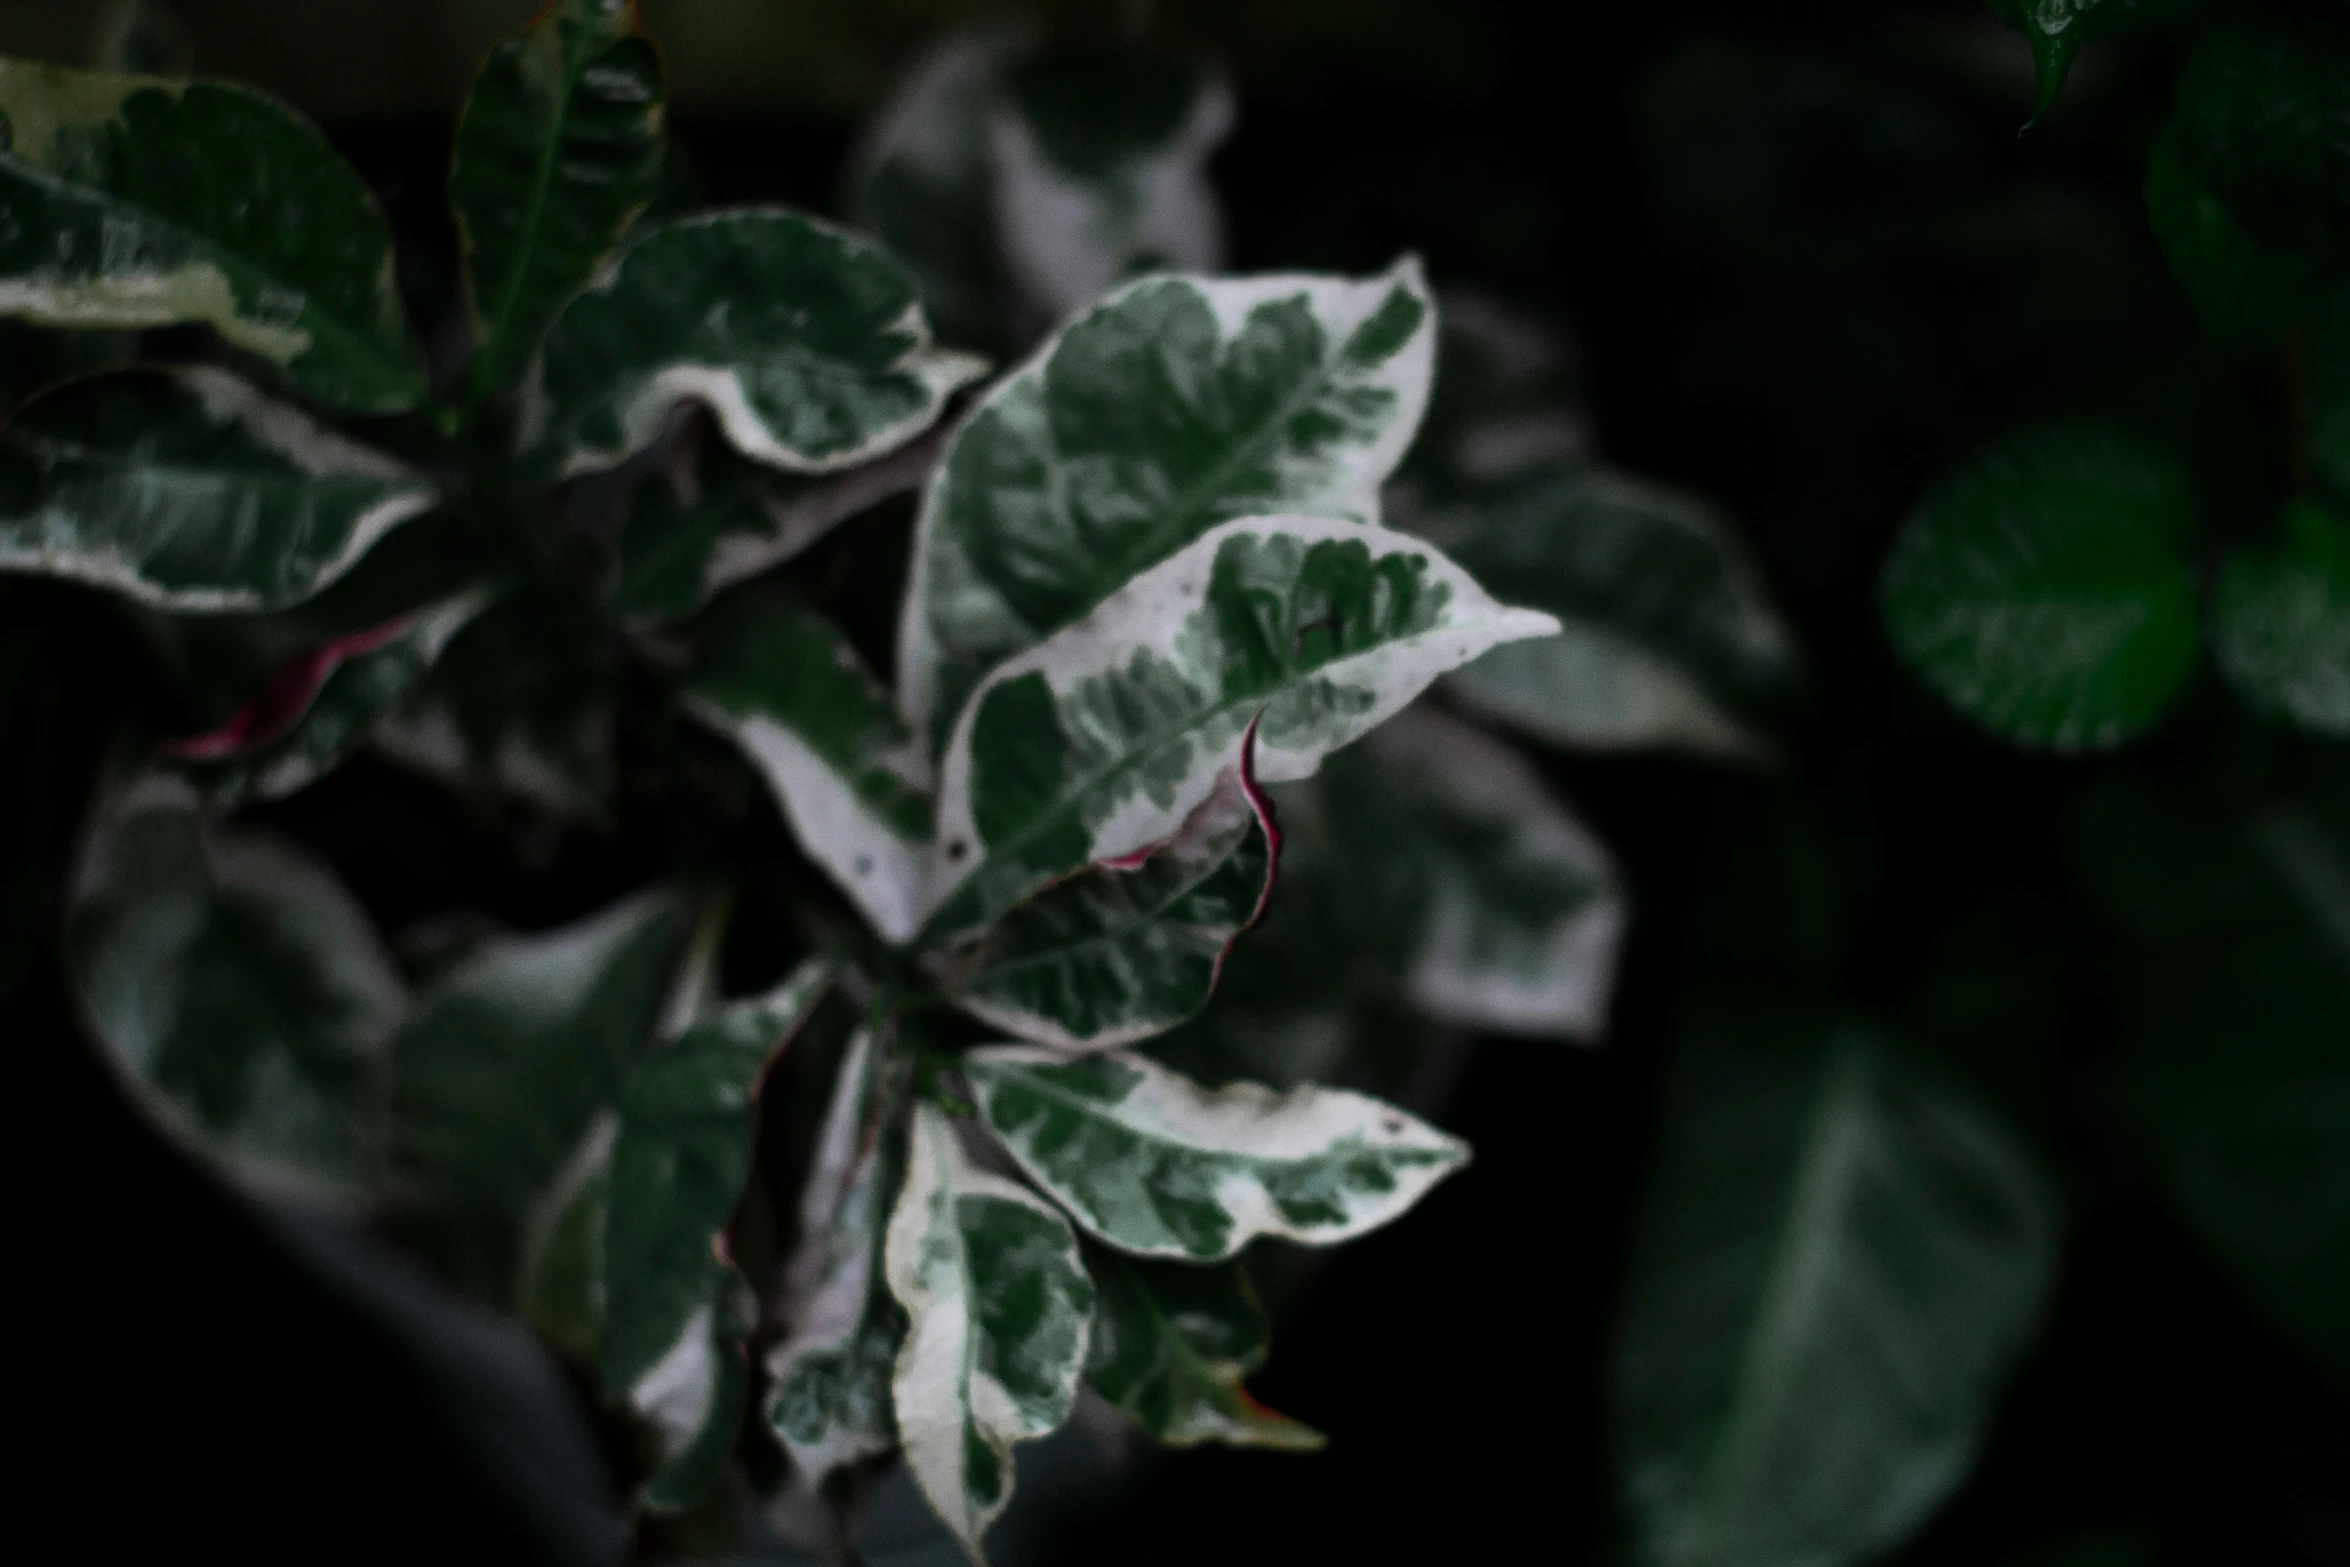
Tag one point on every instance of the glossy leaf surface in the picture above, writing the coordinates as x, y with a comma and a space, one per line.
2239, 1010
1117, 953
673, 1314
806, 343
140, 201
504, 1063
1154, 1164
320, 705
1667, 631
999, 1311
785, 685
2044, 588
239, 990
1172, 1344
1452, 860
2056, 30
1100, 741
1840, 1260
1172, 406
2280, 622
192, 491
829, 1379
558, 150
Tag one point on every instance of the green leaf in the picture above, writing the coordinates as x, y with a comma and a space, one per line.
1117, 953
2238, 1068
1449, 860
1019, 183
559, 1279
805, 342
138, 201
1667, 632
1154, 1164
1508, 397
2280, 622
714, 518
2326, 384
320, 706
2056, 29
1172, 406
829, 1379
238, 989
2250, 293
2044, 588
785, 685
558, 150
999, 1311
189, 490
504, 1063
673, 1318
1840, 1260
1098, 742
1172, 1344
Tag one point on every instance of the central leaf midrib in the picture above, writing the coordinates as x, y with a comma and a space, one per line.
534, 213
1112, 934
1094, 1109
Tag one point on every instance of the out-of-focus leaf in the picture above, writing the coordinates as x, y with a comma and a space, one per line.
999, 1311
674, 1311
785, 685
1508, 396
189, 490
137, 201
1154, 1164
1667, 632
1841, 1258
559, 1277
239, 990
1172, 406
2280, 622
2326, 384
320, 705
1018, 182
1098, 742
1117, 953
2250, 292
806, 343
2044, 589
503, 1065
2056, 29
558, 150
1172, 1344
2240, 1039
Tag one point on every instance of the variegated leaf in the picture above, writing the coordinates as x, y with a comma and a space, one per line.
558, 150
189, 490
1100, 741
714, 518
138, 201
1172, 1344
785, 685
1172, 406
999, 1311
1499, 908
1154, 1164
1117, 953
559, 1269
1667, 635
2280, 621
504, 1063
673, 1315
806, 343
829, 1379
320, 705
238, 989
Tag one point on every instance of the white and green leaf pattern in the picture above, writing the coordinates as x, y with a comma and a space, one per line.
1154, 1164
136, 201
806, 343
1097, 743
239, 990
320, 706
1172, 406
2280, 622
189, 490
999, 1312
1172, 1344
1117, 953
785, 685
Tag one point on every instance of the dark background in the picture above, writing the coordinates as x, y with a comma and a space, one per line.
1811, 262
